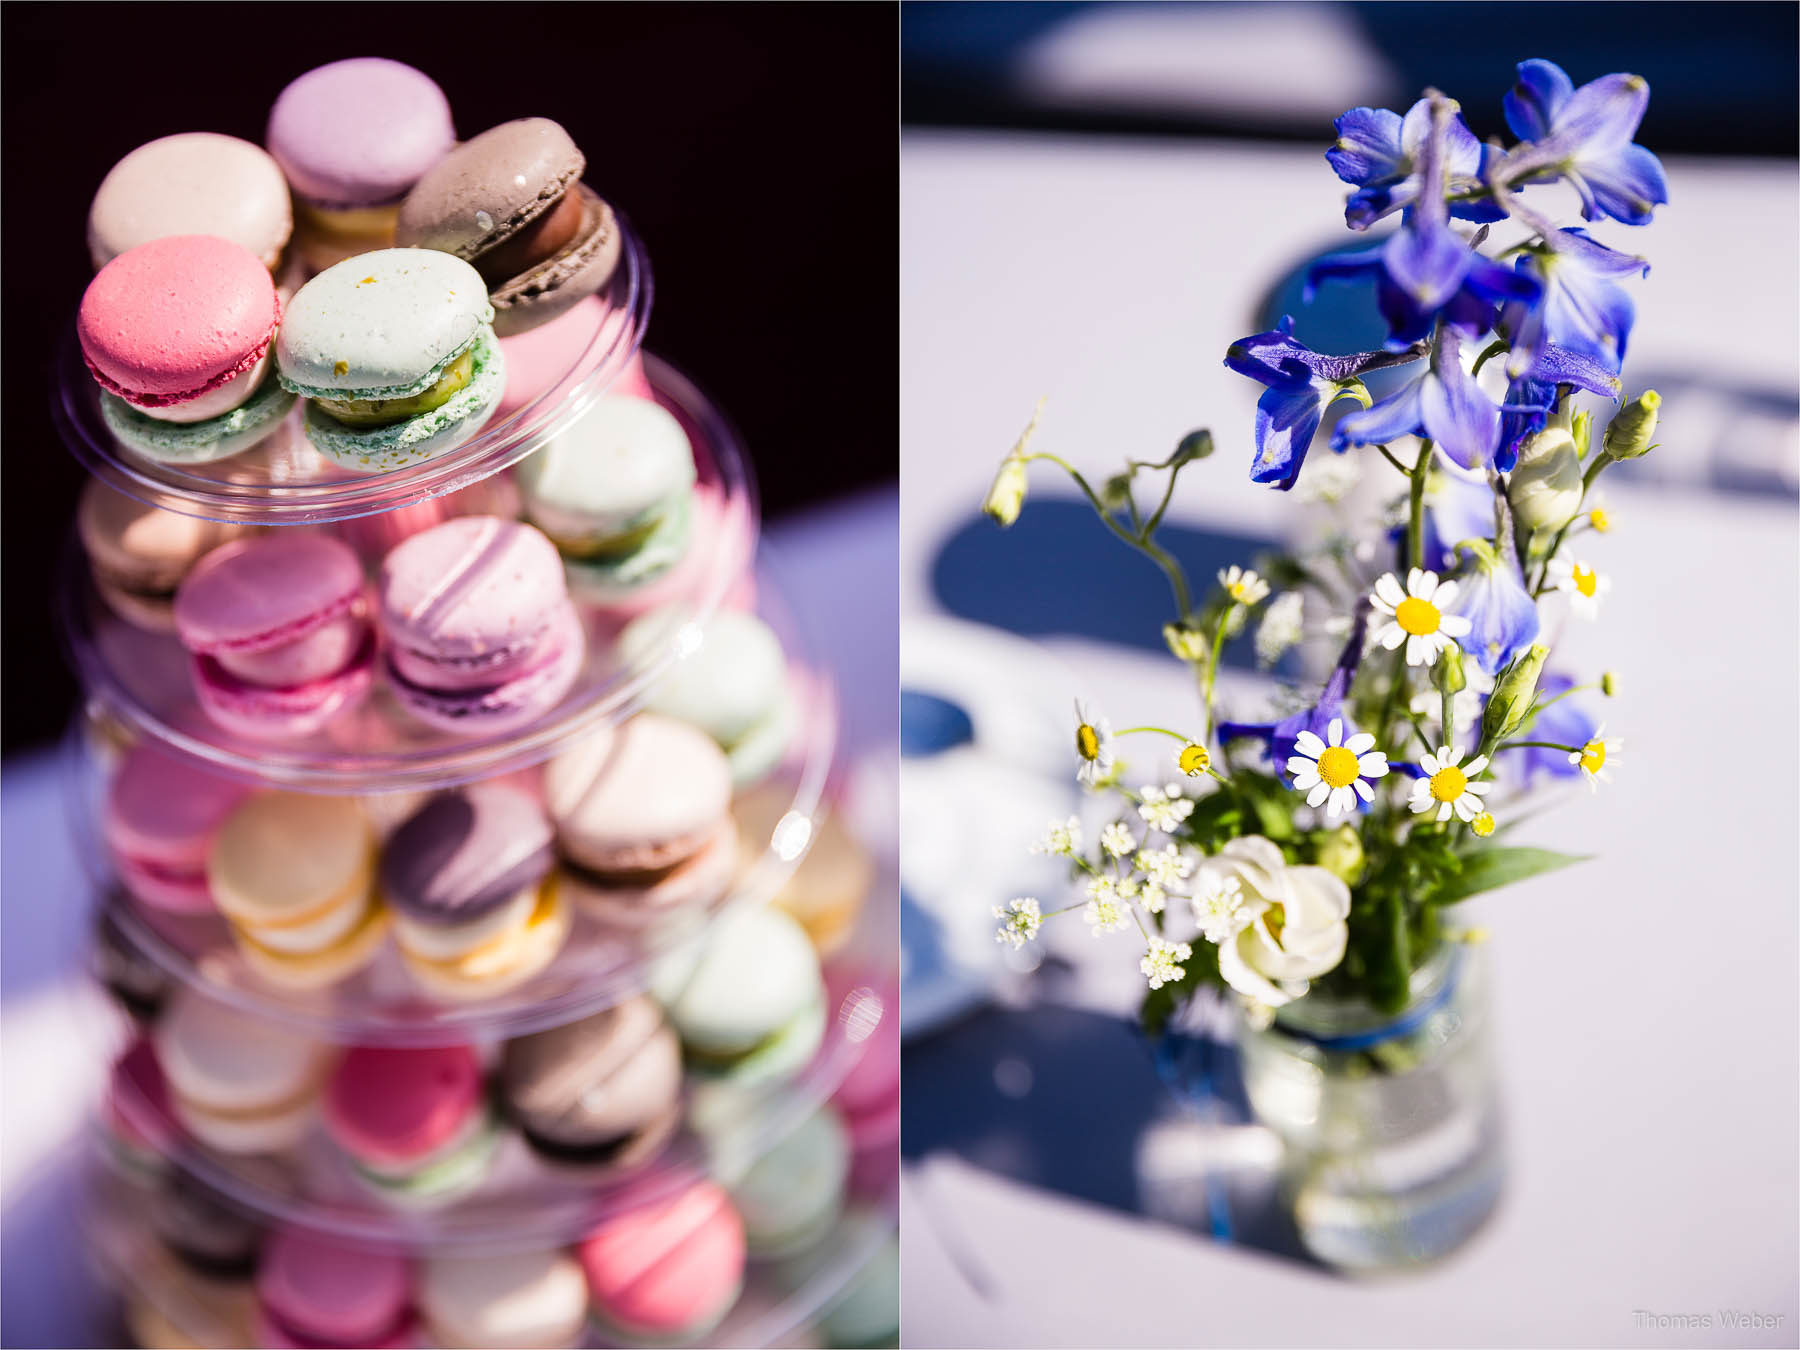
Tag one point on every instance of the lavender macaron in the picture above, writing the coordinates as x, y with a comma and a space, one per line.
464, 876
481, 635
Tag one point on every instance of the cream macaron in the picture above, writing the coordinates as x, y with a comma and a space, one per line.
238, 1084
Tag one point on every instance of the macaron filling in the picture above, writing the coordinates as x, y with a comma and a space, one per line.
504, 953
537, 241
479, 345
438, 941
543, 677
382, 412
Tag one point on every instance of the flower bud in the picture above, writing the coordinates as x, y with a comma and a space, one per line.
1546, 486
1116, 491
1510, 702
1194, 445
1609, 684
1007, 495
1629, 433
1341, 854
1451, 678
1187, 644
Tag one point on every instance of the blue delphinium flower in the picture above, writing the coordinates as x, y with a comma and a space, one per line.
1280, 738
1530, 401
1562, 723
1301, 384
1456, 508
1584, 135
1444, 403
1377, 152
1503, 618
1580, 307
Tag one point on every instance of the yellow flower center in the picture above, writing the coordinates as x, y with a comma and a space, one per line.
1238, 591
1274, 920
1593, 756
1448, 783
1600, 520
1337, 766
1416, 616
1585, 580
1194, 761
1483, 824
1087, 742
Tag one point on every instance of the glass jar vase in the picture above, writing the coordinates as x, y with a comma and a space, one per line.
1390, 1121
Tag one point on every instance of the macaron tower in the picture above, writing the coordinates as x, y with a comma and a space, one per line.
443, 774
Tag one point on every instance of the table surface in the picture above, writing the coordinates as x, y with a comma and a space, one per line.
1646, 1012
835, 565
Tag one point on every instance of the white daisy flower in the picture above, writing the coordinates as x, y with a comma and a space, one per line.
1582, 584
1116, 839
1449, 787
1166, 866
1280, 627
1105, 911
1219, 907
1164, 808
1243, 585
1335, 771
1019, 921
1418, 616
1162, 963
1064, 839
1592, 759
1094, 743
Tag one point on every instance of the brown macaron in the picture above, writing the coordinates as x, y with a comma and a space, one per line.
510, 202
140, 554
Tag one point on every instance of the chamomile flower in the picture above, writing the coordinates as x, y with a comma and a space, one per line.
1600, 520
1019, 921
1483, 824
1592, 759
1219, 907
1164, 808
1194, 760
1162, 962
1063, 840
1243, 585
1167, 866
1334, 771
1093, 743
1280, 627
1116, 839
1418, 616
1582, 584
1449, 785
1106, 911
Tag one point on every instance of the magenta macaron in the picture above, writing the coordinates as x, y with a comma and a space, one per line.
311, 1292
162, 813
415, 1123
279, 631
481, 634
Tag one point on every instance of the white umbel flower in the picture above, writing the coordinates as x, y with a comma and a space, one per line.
1418, 616
1162, 962
1243, 585
1334, 771
1280, 628
1164, 808
1106, 910
1167, 866
1063, 839
1219, 907
1093, 743
1582, 584
1116, 839
1019, 921
1449, 785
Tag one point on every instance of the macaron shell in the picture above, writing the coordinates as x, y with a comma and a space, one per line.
466, 853
174, 317
469, 587
623, 460
641, 797
503, 1300
732, 680
727, 527
791, 1195
700, 880
360, 131
502, 965
752, 973
139, 546
258, 713
283, 857
216, 1057
394, 1105
310, 971
504, 708
561, 282
488, 188
667, 1266
258, 593
206, 442
162, 813
331, 1292
194, 183
381, 324
596, 1079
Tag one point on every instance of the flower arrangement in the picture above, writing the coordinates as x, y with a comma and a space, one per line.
1323, 848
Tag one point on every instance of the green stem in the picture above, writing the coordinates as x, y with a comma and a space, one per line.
1172, 569
1415, 525
1212, 665
1538, 745
1391, 458
1163, 731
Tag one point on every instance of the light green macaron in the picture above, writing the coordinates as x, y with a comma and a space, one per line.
198, 442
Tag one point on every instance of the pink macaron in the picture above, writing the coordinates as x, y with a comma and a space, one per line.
481, 636
181, 326
414, 1122
279, 630
162, 813
314, 1293
668, 1268
868, 1100
568, 348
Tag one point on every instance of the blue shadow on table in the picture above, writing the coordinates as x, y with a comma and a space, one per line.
1058, 573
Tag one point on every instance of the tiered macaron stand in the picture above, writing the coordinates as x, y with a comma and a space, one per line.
138, 687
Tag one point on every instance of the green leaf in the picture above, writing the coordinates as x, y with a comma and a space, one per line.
1495, 867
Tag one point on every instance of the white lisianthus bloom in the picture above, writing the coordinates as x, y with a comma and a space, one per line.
1297, 929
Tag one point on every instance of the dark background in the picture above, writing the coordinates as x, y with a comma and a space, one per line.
753, 146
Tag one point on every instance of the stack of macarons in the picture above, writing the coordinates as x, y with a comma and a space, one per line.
278, 627
481, 636
642, 815
177, 333
465, 876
